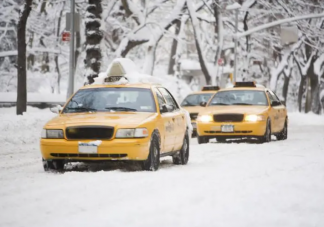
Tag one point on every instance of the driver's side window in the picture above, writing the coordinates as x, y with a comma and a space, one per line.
169, 99
272, 97
160, 98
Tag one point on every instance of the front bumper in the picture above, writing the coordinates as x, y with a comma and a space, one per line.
116, 149
241, 129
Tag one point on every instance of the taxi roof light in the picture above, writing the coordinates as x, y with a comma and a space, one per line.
210, 88
245, 84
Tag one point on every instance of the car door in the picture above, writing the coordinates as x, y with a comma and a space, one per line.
178, 119
274, 113
167, 127
281, 111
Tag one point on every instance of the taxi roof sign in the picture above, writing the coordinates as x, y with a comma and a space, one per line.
210, 88
245, 84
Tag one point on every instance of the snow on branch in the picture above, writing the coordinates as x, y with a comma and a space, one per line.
278, 22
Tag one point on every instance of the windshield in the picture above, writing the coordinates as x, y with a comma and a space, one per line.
111, 99
239, 97
196, 99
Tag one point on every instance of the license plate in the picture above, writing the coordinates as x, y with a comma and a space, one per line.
227, 128
87, 148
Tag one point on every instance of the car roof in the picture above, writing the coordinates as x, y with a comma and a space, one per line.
244, 88
202, 92
133, 85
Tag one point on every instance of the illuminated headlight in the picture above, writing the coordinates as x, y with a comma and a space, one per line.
254, 118
205, 118
52, 134
132, 133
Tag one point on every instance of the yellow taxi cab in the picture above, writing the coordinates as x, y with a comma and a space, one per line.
195, 102
245, 110
112, 121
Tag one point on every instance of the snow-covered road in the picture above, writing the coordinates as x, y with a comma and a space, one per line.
230, 184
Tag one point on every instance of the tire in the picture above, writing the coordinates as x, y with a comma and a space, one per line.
183, 155
266, 138
221, 139
153, 160
283, 135
53, 165
202, 139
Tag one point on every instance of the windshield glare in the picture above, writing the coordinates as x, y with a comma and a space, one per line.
240, 97
111, 99
195, 99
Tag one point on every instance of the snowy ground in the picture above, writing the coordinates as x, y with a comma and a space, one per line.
232, 184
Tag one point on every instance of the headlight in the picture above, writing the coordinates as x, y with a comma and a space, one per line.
132, 133
205, 118
254, 118
52, 134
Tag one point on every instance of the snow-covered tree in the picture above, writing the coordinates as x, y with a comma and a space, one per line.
93, 40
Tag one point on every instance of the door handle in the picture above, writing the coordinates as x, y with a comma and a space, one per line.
173, 119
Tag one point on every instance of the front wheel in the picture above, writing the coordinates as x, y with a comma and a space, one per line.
153, 160
202, 139
183, 156
266, 138
53, 165
283, 135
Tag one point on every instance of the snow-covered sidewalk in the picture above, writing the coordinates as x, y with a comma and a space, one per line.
228, 184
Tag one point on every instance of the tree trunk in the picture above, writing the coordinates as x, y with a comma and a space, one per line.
93, 39
58, 32
203, 63
301, 92
22, 74
174, 48
286, 86
312, 84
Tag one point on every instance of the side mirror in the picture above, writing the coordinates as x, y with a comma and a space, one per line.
276, 103
164, 109
57, 109
203, 104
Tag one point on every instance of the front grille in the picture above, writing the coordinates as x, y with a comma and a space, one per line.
193, 116
66, 155
89, 132
228, 132
228, 117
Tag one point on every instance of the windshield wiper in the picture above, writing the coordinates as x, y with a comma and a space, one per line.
219, 104
243, 104
120, 108
81, 108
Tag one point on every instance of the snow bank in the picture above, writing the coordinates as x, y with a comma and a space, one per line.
302, 119
23, 129
33, 97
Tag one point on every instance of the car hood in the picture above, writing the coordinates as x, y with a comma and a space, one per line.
101, 118
234, 109
193, 109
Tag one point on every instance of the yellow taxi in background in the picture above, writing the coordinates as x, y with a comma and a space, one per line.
197, 101
128, 122
245, 110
